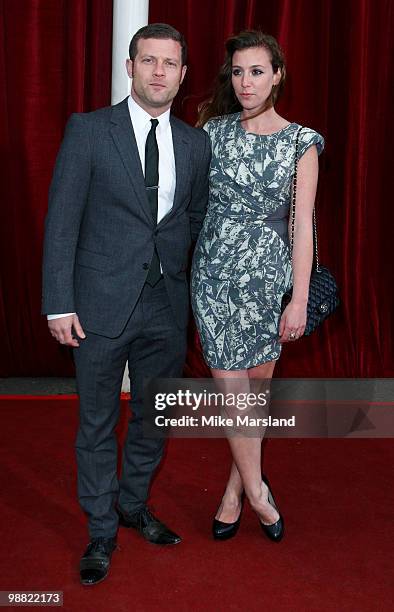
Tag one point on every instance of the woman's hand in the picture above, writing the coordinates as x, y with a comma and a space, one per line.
292, 322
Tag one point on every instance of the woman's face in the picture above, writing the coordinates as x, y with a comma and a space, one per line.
253, 77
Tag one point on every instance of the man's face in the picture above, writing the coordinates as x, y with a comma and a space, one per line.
156, 73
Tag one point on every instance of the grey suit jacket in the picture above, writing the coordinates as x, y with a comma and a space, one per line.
99, 232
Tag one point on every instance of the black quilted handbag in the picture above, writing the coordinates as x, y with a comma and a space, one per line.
323, 296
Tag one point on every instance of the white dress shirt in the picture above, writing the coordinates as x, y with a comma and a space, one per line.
167, 176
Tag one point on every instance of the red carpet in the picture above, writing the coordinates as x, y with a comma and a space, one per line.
336, 497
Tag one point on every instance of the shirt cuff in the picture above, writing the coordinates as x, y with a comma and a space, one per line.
50, 317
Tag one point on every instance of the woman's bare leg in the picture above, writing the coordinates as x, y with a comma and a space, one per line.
230, 506
247, 458
259, 499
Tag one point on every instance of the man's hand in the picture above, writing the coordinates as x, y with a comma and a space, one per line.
62, 328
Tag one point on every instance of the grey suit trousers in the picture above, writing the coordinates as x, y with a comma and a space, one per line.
154, 347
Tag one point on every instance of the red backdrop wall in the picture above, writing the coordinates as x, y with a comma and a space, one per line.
340, 62
56, 59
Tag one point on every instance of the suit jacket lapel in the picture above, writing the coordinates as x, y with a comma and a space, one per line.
182, 168
124, 138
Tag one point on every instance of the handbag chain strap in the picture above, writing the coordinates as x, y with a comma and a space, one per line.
293, 205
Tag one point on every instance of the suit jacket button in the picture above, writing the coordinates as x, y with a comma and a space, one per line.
145, 266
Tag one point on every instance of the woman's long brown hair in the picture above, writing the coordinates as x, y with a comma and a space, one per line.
223, 100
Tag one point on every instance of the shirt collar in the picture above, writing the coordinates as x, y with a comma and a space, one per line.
141, 118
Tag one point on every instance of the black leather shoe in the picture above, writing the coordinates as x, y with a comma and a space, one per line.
94, 565
275, 531
149, 526
225, 531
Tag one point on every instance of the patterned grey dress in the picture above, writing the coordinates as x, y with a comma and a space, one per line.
241, 265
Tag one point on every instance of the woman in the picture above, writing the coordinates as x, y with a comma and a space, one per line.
242, 263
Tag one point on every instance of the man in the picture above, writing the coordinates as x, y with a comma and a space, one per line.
128, 196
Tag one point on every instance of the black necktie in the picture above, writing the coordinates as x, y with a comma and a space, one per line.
152, 188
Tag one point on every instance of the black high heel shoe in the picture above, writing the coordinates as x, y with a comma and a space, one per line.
225, 531
275, 531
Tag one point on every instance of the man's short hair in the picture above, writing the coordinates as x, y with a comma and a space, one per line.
161, 31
